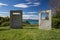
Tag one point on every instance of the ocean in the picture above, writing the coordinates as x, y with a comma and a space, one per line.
32, 22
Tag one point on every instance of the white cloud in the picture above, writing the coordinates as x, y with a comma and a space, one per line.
29, 3
26, 5
35, 4
35, 17
2, 4
1, 15
21, 5
4, 14
29, 13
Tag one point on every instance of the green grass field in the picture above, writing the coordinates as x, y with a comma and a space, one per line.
29, 33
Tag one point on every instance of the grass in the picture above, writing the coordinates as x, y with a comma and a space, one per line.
29, 33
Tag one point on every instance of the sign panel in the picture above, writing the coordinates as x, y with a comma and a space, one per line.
16, 18
45, 20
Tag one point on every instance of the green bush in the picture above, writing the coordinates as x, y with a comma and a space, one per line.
5, 24
56, 22
4, 21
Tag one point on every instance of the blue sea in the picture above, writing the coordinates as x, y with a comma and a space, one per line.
32, 22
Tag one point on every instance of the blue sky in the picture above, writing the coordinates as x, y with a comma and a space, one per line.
30, 7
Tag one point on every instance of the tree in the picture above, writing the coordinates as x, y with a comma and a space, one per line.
1, 20
55, 4
4, 21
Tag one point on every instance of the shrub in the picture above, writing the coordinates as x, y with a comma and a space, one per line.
56, 22
5, 24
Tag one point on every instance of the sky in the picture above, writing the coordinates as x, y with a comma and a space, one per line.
30, 8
